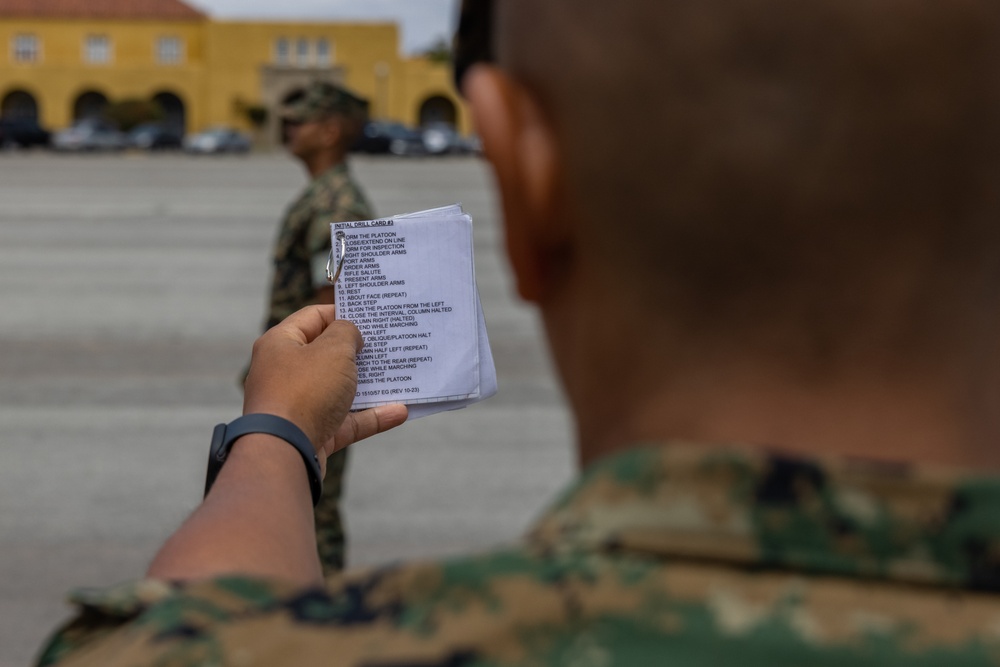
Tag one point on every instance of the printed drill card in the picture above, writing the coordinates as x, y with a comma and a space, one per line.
408, 284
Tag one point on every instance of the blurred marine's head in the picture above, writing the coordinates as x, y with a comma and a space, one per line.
327, 117
826, 166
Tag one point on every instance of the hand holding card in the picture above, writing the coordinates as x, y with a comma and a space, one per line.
408, 284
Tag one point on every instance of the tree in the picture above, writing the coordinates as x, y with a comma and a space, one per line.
256, 114
131, 112
439, 52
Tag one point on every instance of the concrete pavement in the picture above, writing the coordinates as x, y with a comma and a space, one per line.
131, 289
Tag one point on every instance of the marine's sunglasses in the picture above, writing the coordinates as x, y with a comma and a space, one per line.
474, 37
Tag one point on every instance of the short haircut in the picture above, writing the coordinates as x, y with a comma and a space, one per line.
761, 157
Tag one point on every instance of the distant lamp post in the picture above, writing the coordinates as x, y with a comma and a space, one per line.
382, 71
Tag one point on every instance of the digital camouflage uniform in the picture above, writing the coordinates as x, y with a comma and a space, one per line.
304, 233
673, 555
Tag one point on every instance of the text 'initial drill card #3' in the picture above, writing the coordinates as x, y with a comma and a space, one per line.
408, 283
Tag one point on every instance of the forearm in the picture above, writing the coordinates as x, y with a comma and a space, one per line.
257, 520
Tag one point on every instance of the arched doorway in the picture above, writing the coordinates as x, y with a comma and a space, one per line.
438, 109
19, 105
290, 98
90, 104
174, 111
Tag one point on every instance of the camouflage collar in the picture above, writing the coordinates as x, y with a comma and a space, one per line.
339, 169
325, 179
762, 510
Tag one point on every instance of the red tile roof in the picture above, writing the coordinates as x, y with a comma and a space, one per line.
100, 9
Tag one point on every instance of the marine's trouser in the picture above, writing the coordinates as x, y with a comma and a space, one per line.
329, 523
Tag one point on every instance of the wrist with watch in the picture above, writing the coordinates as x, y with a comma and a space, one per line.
225, 435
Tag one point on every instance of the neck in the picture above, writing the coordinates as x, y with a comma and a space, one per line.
656, 387
323, 162
884, 419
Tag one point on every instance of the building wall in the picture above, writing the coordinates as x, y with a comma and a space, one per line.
419, 80
243, 64
61, 73
227, 65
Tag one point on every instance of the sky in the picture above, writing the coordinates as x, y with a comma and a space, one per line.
422, 21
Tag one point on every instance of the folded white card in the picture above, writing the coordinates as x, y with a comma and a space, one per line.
408, 283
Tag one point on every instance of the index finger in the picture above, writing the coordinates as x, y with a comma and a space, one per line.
306, 325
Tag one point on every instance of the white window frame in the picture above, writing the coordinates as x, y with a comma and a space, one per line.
283, 51
170, 50
303, 52
21, 52
324, 52
97, 50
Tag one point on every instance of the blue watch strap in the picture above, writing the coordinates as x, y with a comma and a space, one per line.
226, 434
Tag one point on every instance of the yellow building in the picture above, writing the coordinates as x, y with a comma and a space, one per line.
63, 60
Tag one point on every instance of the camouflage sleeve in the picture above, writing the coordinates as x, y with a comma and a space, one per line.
114, 626
99, 614
516, 607
341, 204
421, 614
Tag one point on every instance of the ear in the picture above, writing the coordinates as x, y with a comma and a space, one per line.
521, 146
333, 130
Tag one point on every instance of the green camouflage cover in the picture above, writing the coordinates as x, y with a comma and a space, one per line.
322, 100
669, 555
305, 231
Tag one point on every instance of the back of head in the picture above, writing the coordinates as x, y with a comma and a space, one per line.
762, 159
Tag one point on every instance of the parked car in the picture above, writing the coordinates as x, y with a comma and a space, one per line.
155, 136
218, 140
22, 133
442, 138
90, 134
381, 136
472, 144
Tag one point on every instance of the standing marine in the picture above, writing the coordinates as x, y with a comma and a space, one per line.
320, 129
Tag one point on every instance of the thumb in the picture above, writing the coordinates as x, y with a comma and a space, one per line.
360, 425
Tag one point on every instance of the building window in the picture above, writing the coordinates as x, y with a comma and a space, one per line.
282, 52
97, 49
324, 54
302, 52
169, 50
26, 49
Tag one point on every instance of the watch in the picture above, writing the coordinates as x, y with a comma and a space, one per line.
226, 434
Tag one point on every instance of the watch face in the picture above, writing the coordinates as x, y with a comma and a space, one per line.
216, 456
